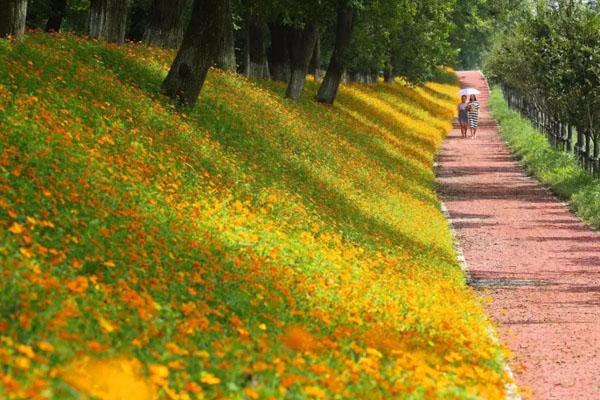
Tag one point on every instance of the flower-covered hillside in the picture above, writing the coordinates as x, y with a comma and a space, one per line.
249, 248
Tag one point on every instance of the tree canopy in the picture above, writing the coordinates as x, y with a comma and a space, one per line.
553, 59
278, 39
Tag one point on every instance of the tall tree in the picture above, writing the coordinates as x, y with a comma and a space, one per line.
199, 47
477, 24
108, 20
226, 55
56, 15
165, 26
258, 66
420, 44
315, 61
279, 52
302, 45
12, 18
335, 70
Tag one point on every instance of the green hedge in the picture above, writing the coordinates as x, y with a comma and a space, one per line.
555, 168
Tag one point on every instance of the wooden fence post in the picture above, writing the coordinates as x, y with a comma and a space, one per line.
587, 155
582, 142
596, 160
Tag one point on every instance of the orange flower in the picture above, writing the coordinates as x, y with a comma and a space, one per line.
111, 379
251, 393
298, 338
78, 285
16, 228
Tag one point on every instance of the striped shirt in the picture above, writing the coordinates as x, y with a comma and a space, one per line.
473, 114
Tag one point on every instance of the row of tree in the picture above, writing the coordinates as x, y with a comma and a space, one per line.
552, 60
275, 39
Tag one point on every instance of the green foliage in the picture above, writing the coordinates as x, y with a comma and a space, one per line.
406, 37
476, 25
75, 18
371, 40
421, 44
446, 76
555, 168
552, 58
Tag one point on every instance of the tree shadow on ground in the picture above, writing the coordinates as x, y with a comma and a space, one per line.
274, 166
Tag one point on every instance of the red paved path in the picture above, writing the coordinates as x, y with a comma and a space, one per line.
537, 261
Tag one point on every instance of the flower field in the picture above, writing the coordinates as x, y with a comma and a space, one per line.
249, 248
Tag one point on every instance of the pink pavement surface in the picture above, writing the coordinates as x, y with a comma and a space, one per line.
526, 250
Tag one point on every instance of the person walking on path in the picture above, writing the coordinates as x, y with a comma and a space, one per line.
537, 261
463, 118
473, 115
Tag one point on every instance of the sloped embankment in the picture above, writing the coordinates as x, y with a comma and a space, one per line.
251, 247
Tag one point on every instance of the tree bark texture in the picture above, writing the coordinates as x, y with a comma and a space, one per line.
388, 74
198, 50
245, 62
226, 54
258, 66
108, 20
335, 70
302, 45
13, 14
165, 25
57, 13
315, 62
279, 52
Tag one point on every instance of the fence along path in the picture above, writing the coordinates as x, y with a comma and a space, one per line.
537, 261
583, 143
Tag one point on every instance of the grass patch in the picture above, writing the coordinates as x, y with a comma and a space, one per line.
555, 168
252, 247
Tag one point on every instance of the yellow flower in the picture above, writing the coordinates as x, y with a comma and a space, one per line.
45, 346
113, 379
158, 374
22, 363
25, 350
315, 392
106, 325
26, 252
209, 379
202, 354
16, 228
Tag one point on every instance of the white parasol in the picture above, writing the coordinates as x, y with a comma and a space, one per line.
468, 92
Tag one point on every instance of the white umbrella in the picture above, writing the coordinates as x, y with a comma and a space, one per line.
468, 92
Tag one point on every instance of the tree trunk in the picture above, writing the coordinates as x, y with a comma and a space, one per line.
57, 13
388, 75
165, 25
258, 65
315, 62
13, 14
302, 46
279, 52
108, 20
596, 166
246, 53
198, 50
331, 82
353, 76
226, 54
